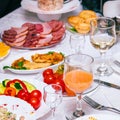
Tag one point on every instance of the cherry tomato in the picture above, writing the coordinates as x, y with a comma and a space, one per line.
60, 77
61, 83
35, 102
56, 75
23, 95
47, 72
49, 79
36, 93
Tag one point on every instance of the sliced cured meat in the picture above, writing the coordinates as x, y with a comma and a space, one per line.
44, 40
14, 44
8, 39
30, 26
35, 35
27, 43
21, 34
8, 36
46, 28
20, 30
20, 39
58, 34
39, 28
10, 32
56, 25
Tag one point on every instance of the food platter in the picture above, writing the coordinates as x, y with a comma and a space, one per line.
17, 106
31, 5
22, 108
34, 36
27, 56
99, 117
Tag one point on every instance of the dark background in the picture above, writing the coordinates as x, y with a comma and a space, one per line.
7, 6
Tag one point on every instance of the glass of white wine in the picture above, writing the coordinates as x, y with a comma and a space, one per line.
103, 37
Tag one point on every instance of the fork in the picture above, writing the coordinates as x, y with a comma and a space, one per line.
71, 117
98, 106
117, 63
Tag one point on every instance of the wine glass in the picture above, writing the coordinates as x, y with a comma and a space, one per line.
76, 43
103, 37
52, 96
78, 77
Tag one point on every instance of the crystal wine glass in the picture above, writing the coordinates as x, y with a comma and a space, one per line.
76, 43
103, 37
78, 77
52, 96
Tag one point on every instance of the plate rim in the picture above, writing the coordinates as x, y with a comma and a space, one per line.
38, 11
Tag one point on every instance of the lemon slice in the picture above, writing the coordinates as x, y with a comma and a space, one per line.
4, 50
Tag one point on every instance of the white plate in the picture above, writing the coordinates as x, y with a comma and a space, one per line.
100, 117
28, 57
113, 65
24, 108
31, 5
17, 106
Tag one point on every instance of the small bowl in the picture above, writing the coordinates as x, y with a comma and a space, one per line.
48, 17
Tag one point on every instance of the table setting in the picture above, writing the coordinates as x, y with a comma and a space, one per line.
49, 65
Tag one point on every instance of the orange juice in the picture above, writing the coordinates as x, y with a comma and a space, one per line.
78, 80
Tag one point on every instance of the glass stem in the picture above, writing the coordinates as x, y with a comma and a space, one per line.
78, 112
53, 113
78, 104
103, 64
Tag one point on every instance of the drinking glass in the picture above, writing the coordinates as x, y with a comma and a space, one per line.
103, 37
76, 43
78, 77
52, 96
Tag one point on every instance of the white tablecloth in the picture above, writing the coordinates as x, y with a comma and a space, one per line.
104, 95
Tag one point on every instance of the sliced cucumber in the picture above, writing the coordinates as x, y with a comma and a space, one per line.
4, 82
29, 86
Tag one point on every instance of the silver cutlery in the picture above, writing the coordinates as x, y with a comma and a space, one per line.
98, 106
107, 84
70, 117
66, 1
116, 62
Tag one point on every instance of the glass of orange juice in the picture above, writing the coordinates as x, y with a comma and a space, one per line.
78, 77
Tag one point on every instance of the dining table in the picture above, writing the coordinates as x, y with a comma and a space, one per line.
102, 94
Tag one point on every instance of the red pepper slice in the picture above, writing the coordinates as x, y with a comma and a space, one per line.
19, 81
10, 91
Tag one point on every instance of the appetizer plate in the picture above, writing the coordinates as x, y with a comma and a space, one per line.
99, 117
21, 107
28, 57
31, 5
17, 106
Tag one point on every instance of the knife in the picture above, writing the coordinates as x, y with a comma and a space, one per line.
107, 84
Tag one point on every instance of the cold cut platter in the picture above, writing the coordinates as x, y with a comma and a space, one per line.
35, 35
